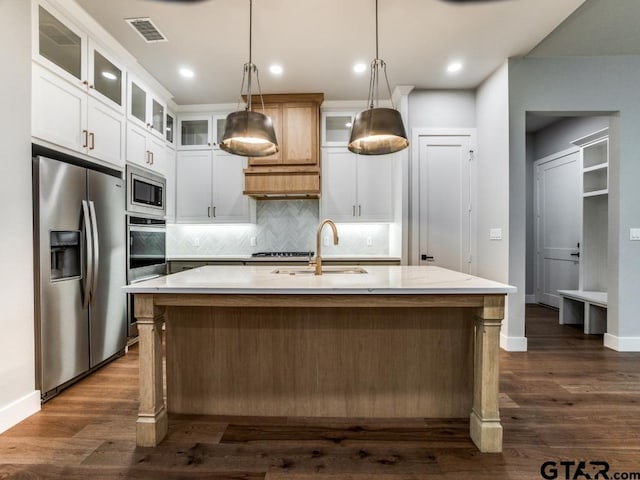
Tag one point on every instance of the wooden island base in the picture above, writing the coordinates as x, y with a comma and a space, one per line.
430, 356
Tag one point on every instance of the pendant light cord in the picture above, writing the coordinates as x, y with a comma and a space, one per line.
374, 80
249, 69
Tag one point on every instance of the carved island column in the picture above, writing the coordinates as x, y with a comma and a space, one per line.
152, 423
485, 426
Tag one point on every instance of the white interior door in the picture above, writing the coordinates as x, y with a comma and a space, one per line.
445, 209
558, 225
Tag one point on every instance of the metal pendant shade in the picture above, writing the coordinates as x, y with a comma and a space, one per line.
249, 133
377, 130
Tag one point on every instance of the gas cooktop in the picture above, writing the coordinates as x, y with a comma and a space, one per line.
282, 254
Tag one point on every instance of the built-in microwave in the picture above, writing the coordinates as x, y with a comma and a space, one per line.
146, 193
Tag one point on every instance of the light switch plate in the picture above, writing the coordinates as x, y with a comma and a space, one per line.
369, 242
196, 242
495, 234
253, 241
634, 234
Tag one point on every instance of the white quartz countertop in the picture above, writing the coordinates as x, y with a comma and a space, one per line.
249, 258
259, 279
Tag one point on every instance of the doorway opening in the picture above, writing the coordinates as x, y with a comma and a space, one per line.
567, 207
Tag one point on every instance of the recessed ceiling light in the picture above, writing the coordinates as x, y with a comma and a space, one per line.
360, 67
109, 75
186, 73
276, 69
454, 67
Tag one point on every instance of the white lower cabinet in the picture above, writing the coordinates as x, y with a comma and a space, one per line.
209, 186
170, 174
65, 115
357, 188
145, 149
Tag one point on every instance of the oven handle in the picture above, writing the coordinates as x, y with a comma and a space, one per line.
139, 228
143, 279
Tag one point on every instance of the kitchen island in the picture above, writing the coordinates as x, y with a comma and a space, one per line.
395, 341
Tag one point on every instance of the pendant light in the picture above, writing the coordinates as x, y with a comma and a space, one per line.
377, 130
249, 133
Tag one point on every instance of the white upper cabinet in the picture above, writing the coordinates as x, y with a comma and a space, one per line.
195, 131
146, 150
66, 116
336, 128
201, 131
209, 186
145, 109
357, 188
78, 89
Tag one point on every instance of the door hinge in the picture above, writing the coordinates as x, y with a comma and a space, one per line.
471, 155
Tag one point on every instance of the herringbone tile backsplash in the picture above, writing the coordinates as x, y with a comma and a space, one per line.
281, 225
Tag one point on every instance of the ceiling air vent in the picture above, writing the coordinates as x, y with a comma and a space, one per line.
146, 28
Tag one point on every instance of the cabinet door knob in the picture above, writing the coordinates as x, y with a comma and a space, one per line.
209, 211
353, 211
359, 210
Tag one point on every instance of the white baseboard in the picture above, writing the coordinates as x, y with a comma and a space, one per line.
18, 410
530, 298
622, 344
513, 344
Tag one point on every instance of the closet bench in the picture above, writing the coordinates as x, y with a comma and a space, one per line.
586, 307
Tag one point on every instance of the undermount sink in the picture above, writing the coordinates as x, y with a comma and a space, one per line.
311, 270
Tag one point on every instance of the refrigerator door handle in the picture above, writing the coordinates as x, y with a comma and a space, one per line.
96, 252
88, 277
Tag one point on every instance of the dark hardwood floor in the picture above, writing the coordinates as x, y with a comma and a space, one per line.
568, 399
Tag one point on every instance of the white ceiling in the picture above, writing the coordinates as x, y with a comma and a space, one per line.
317, 42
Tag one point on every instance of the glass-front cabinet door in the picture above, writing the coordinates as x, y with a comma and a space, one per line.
138, 103
106, 79
170, 129
219, 124
195, 131
60, 45
336, 128
145, 109
157, 117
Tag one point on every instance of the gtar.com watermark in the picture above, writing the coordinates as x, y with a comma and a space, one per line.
583, 470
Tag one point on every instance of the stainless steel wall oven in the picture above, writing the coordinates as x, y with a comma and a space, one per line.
146, 255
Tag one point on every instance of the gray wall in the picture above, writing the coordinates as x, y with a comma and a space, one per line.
17, 395
558, 136
493, 193
547, 141
442, 109
585, 84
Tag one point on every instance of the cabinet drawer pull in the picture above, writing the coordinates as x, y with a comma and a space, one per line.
85, 143
92, 136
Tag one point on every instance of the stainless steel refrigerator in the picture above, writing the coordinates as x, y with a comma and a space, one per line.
80, 268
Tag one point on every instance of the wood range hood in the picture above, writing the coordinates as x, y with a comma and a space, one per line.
293, 172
